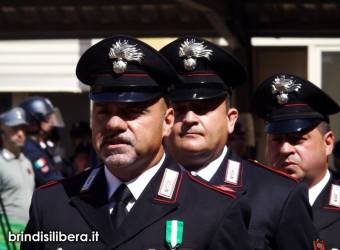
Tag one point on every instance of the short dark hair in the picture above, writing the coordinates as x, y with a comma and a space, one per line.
324, 127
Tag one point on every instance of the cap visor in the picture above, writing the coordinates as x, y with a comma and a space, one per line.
290, 126
15, 123
182, 94
129, 96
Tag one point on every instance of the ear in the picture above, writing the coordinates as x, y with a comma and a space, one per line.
232, 115
168, 122
329, 139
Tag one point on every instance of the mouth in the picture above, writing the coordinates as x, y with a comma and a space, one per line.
288, 167
190, 134
115, 143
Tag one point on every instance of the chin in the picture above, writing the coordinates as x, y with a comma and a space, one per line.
118, 161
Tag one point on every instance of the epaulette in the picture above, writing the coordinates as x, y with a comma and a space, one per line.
270, 168
220, 188
48, 184
169, 187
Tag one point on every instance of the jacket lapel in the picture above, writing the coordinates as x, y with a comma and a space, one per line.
148, 209
220, 176
93, 206
324, 215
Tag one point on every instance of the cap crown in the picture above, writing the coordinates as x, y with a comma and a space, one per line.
123, 68
208, 71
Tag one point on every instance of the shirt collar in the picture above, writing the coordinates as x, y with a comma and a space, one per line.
137, 185
207, 172
8, 155
314, 191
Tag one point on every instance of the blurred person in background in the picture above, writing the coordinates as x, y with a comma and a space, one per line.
336, 155
299, 143
81, 135
237, 140
16, 173
42, 117
81, 159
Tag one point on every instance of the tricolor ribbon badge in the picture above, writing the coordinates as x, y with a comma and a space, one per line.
174, 233
39, 163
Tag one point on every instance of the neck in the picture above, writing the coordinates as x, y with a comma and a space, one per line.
196, 161
311, 182
13, 149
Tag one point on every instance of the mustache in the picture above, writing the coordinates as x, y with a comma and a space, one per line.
293, 159
116, 139
189, 130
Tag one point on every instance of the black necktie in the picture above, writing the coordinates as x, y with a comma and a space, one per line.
122, 196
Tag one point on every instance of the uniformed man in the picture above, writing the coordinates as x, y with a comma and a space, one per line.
42, 117
204, 118
299, 141
139, 199
16, 174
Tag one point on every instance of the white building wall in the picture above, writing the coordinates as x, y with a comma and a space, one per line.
39, 66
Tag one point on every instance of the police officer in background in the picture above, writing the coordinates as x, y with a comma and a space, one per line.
204, 118
299, 142
139, 198
42, 117
16, 173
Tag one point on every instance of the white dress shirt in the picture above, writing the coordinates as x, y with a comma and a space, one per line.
314, 191
136, 186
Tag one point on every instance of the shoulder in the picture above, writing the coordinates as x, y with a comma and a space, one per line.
32, 150
205, 186
266, 169
68, 185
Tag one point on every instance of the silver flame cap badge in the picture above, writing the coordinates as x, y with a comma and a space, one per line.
123, 52
191, 50
282, 86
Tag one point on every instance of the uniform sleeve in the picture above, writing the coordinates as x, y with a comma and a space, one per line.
33, 226
296, 229
232, 233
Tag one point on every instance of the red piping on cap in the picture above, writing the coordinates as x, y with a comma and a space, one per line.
295, 104
132, 75
199, 74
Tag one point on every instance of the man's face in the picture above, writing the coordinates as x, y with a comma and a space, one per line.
303, 155
14, 136
200, 131
48, 125
128, 136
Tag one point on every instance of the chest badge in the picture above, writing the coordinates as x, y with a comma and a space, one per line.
168, 183
334, 199
232, 172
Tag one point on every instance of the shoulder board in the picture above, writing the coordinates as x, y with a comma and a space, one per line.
48, 184
270, 168
221, 189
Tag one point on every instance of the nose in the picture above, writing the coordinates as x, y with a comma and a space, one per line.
116, 124
21, 132
190, 117
286, 148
